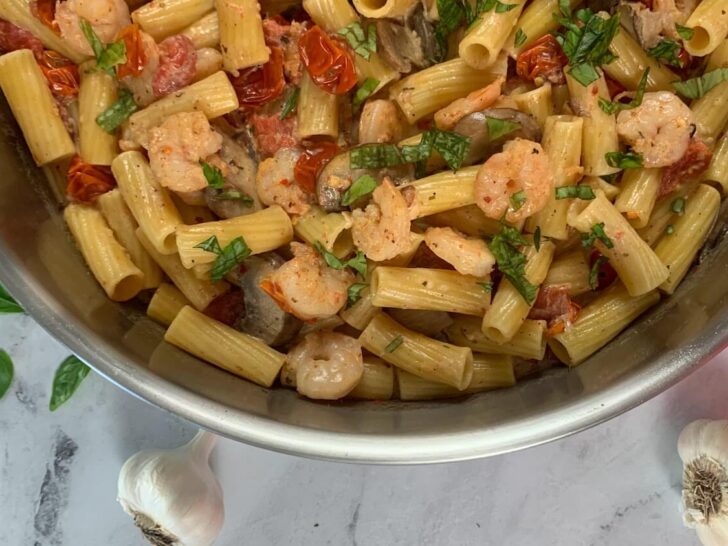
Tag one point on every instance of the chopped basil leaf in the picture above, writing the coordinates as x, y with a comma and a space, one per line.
7, 304
695, 88
451, 14
500, 7
107, 56
612, 107
227, 258
520, 38
363, 43
686, 33
6, 372
667, 51
291, 103
358, 263
594, 271
586, 43
537, 238
451, 146
116, 114
66, 381
375, 156
670, 229
678, 206
362, 93
362, 186
487, 286
500, 127
511, 262
394, 344
624, 160
518, 199
213, 175
354, 293
234, 195
575, 192
565, 8
597, 233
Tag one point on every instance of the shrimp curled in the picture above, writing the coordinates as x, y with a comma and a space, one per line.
276, 185
107, 17
478, 100
327, 365
467, 256
518, 181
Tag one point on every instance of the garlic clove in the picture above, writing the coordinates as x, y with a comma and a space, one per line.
173, 495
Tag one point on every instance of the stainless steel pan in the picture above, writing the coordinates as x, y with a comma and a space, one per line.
40, 266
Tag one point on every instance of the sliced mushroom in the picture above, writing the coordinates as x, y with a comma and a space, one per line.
263, 318
238, 197
401, 47
475, 126
418, 21
645, 25
336, 177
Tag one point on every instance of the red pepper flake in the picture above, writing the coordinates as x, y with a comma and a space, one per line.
86, 182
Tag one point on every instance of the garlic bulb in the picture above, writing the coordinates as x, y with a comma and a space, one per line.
703, 447
173, 496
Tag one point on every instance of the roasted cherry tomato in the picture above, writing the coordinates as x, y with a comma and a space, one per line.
227, 308
86, 182
311, 162
694, 161
543, 58
61, 73
261, 84
327, 61
135, 56
45, 12
13, 38
606, 274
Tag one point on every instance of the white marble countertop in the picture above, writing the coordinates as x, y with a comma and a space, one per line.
616, 484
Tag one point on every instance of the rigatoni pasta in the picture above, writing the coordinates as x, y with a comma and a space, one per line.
241, 34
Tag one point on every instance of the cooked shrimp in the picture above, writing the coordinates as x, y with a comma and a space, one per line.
659, 129
327, 365
517, 181
476, 101
382, 230
276, 185
141, 85
467, 256
107, 17
176, 148
380, 122
306, 287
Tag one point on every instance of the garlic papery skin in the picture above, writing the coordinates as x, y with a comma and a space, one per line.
173, 495
703, 448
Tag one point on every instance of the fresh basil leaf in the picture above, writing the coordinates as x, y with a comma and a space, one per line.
291, 103
584, 73
537, 238
686, 33
394, 344
511, 262
500, 7
363, 43
116, 114
612, 107
375, 156
518, 199
624, 160
231, 256
6, 372
583, 192
500, 127
520, 38
667, 51
594, 271
451, 15
487, 286
565, 8
597, 233
695, 88
364, 185
354, 293
453, 147
234, 195
66, 381
213, 175
107, 56
358, 263
210, 245
678, 206
363, 92
7, 304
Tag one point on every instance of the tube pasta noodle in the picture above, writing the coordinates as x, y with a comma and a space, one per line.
508, 310
192, 214
162, 18
124, 226
200, 292
536, 20
639, 195
428, 289
377, 9
677, 250
362, 312
377, 381
330, 229
403, 259
489, 372
570, 269
27, 93
637, 265
331, 15
600, 128
375, 68
538, 103
562, 141
428, 90
599, 322
444, 191
631, 62
226, 348
264, 230
709, 22
483, 43
96, 95
468, 219
204, 32
166, 304
241, 34
529, 342
711, 112
662, 215
717, 173
148, 201
318, 111
418, 354
107, 259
